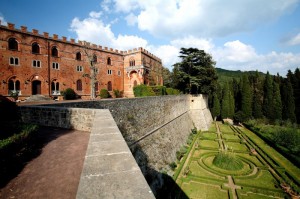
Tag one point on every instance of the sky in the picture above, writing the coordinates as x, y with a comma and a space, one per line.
244, 35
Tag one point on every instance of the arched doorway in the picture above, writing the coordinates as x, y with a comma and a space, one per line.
36, 87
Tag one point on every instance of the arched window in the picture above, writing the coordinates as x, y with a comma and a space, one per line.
11, 85
79, 85
54, 51
95, 58
35, 48
12, 44
109, 86
78, 56
55, 88
131, 62
109, 61
17, 85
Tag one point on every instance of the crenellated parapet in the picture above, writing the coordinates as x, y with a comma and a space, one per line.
141, 50
55, 37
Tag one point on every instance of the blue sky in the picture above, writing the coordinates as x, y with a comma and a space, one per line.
243, 35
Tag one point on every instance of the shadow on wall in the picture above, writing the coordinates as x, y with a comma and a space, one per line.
162, 185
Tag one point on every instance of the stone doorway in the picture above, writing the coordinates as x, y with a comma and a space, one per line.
36, 87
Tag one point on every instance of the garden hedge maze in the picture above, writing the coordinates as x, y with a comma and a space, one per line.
232, 162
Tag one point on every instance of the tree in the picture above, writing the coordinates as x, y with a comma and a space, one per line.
216, 106
257, 97
167, 77
196, 72
277, 105
246, 105
288, 102
225, 111
92, 59
268, 96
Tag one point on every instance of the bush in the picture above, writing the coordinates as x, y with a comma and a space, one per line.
104, 93
118, 93
143, 91
173, 165
227, 161
159, 90
172, 91
69, 94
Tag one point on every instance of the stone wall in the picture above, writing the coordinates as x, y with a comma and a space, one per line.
70, 118
153, 127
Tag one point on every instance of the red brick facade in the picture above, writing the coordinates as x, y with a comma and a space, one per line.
33, 63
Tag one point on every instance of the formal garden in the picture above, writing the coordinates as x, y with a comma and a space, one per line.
232, 162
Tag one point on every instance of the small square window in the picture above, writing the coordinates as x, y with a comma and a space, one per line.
55, 65
109, 72
79, 68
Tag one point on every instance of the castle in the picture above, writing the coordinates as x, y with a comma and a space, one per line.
32, 63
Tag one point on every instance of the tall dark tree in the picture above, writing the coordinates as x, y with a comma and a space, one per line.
257, 96
246, 106
167, 77
288, 102
196, 72
277, 105
231, 101
225, 111
216, 109
268, 96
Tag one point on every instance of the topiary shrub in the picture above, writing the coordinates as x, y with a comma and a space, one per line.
227, 161
69, 94
143, 91
104, 93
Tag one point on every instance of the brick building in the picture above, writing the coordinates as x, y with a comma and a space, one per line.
32, 63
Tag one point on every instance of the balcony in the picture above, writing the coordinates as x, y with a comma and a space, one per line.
55, 92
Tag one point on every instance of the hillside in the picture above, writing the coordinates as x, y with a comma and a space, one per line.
227, 75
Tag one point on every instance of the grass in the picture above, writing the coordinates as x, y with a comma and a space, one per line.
209, 144
209, 136
235, 146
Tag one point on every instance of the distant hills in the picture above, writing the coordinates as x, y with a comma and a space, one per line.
227, 75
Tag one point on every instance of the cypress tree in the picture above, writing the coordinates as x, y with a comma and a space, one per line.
268, 96
225, 102
277, 105
216, 106
246, 106
288, 102
231, 101
257, 97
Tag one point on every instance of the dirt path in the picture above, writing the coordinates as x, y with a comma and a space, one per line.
55, 173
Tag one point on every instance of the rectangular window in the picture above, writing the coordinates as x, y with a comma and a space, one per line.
109, 72
79, 68
119, 72
55, 65
36, 63
14, 61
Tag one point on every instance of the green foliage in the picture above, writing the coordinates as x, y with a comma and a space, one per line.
227, 110
69, 94
246, 105
196, 72
159, 90
173, 165
143, 91
118, 93
268, 96
104, 93
172, 91
277, 105
288, 102
216, 109
227, 161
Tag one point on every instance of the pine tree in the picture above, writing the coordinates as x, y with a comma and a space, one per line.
277, 105
246, 106
268, 96
231, 101
288, 102
257, 97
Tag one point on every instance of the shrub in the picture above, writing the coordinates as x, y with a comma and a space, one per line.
69, 94
172, 91
118, 93
173, 165
227, 161
143, 91
104, 93
159, 90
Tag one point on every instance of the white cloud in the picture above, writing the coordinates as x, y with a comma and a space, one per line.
174, 18
94, 30
191, 41
168, 53
295, 40
3, 21
94, 14
131, 19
